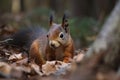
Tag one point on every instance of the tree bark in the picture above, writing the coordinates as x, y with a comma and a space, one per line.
108, 34
105, 51
109, 39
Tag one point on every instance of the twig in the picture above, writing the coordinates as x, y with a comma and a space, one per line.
5, 41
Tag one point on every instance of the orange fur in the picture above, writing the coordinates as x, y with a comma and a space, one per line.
35, 55
41, 50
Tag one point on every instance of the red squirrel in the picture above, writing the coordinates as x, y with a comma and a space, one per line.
57, 44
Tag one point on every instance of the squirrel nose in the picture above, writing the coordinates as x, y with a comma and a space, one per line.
52, 44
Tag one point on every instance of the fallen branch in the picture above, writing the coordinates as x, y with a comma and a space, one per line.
6, 40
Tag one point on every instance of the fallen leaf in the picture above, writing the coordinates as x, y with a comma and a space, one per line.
36, 68
5, 68
56, 68
15, 57
79, 57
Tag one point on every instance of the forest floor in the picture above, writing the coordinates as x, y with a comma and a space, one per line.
14, 63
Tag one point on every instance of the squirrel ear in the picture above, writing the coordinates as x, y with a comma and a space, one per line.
51, 20
65, 23
63, 20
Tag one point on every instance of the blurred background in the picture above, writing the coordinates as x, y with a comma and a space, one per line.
86, 17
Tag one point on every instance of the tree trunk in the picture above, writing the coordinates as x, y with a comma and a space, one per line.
102, 8
82, 8
109, 28
16, 6
105, 51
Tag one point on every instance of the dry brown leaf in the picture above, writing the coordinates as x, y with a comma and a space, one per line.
79, 57
15, 57
5, 68
36, 68
49, 68
56, 68
26, 69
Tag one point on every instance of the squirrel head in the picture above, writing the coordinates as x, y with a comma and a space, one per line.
58, 34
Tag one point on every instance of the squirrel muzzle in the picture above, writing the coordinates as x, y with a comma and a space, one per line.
54, 44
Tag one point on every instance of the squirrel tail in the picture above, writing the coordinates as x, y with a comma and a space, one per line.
25, 37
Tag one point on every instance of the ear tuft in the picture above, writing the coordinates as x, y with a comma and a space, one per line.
64, 21
51, 19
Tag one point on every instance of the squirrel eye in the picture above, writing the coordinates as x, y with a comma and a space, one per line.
61, 35
47, 35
